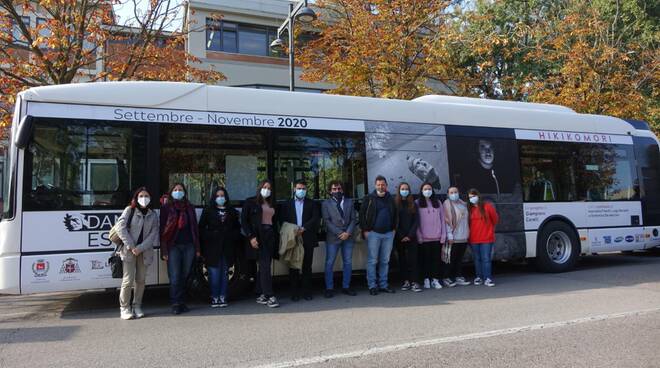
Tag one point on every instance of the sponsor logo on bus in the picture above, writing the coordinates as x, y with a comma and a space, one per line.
607, 239
630, 238
97, 265
97, 225
618, 239
69, 266
639, 238
40, 268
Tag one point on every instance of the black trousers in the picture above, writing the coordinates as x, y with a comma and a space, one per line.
408, 256
265, 260
453, 270
431, 260
304, 284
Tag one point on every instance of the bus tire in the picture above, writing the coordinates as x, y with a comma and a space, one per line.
557, 247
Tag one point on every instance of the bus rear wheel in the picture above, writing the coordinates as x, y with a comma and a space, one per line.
557, 248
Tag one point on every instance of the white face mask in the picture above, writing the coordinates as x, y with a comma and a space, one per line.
474, 200
453, 197
144, 201
265, 192
427, 193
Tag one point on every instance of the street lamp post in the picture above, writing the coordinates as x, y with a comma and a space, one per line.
299, 12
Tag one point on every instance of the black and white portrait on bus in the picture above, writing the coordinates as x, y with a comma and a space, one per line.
414, 153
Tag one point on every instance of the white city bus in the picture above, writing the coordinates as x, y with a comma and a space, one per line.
564, 183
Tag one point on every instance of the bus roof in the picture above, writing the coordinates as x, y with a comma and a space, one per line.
448, 110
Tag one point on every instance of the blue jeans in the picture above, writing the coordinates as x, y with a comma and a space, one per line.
379, 247
218, 279
347, 259
482, 255
179, 263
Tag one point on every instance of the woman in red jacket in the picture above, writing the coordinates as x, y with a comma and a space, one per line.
483, 219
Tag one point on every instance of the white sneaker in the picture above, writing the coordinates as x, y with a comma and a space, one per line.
489, 283
436, 284
477, 281
448, 283
462, 282
137, 311
406, 285
427, 284
126, 313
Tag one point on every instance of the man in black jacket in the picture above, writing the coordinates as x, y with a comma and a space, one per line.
303, 212
378, 219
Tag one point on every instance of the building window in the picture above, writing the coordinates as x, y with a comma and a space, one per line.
240, 38
19, 37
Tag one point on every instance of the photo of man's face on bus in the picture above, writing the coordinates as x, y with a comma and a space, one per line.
486, 154
487, 164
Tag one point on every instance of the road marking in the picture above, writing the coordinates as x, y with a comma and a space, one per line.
449, 339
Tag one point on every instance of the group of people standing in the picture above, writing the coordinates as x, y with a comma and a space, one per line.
429, 236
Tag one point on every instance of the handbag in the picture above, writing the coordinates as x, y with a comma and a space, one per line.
115, 262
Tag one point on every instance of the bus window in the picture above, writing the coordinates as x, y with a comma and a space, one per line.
319, 159
4, 185
203, 157
560, 171
76, 164
605, 172
548, 171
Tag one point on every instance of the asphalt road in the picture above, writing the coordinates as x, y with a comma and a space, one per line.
606, 313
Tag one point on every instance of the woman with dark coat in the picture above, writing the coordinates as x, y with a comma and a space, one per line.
258, 220
179, 243
219, 231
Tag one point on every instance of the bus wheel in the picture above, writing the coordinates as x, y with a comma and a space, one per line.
557, 247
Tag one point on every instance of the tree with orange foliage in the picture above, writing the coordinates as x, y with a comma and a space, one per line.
47, 42
379, 48
598, 57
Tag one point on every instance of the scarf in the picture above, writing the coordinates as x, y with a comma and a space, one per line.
176, 220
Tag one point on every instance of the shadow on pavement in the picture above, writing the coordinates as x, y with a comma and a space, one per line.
513, 280
36, 334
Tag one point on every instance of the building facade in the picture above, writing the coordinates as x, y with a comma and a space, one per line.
234, 36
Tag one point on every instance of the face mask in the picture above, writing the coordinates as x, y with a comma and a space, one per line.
380, 194
178, 194
144, 201
301, 193
474, 200
265, 192
338, 196
220, 201
453, 197
427, 193
404, 193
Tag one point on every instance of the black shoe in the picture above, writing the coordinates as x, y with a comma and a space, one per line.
295, 297
387, 290
308, 296
184, 308
350, 292
329, 293
373, 291
176, 309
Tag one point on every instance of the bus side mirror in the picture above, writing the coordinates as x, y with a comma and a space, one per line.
24, 133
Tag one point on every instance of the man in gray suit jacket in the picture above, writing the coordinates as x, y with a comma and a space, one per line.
340, 221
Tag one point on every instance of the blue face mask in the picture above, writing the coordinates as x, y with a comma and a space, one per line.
404, 193
301, 193
178, 194
453, 196
220, 201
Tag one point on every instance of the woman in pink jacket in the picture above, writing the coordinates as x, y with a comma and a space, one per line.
431, 234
